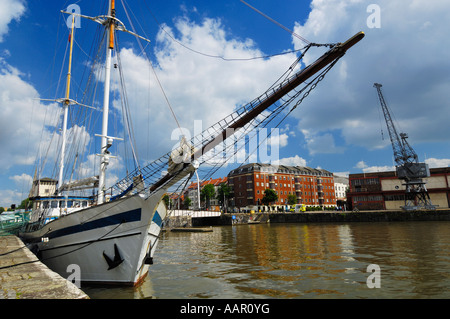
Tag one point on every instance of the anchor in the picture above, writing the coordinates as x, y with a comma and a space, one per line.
117, 258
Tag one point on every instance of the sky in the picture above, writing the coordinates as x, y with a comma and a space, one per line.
338, 127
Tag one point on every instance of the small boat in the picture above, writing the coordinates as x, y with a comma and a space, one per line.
113, 239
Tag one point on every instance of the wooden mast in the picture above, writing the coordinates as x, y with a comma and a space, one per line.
104, 155
66, 103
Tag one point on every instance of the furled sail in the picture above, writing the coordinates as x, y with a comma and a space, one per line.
89, 182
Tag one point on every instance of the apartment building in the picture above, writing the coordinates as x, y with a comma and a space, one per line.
313, 187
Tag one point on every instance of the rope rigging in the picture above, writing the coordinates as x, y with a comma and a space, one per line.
281, 94
152, 172
276, 22
153, 69
160, 26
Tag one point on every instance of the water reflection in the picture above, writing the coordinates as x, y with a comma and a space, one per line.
299, 261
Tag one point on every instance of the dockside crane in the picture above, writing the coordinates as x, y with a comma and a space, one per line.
408, 167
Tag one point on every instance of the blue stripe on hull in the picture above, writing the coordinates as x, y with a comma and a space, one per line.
157, 219
126, 217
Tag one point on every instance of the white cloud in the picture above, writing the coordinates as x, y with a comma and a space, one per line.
23, 180
341, 174
407, 55
432, 163
22, 119
9, 197
361, 165
198, 87
291, 161
372, 169
438, 162
321, 143
10, 10
278, 140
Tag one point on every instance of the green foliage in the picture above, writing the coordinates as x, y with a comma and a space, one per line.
223, 191
292, 199
207, 193
187, 202
25, 204
270, 196
166, 200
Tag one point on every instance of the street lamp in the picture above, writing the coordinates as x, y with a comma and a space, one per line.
195, 164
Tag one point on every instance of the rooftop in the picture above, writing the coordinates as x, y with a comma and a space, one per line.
269, 168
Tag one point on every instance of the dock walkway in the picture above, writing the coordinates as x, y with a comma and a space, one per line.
23, 276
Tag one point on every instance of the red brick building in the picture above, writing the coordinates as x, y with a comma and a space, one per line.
313, 187
384, 190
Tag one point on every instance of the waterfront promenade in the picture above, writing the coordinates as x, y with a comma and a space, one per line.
322, 217
23, 276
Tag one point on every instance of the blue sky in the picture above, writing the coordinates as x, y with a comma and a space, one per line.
339, 127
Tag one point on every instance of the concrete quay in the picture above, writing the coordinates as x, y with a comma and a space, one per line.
322, 217
362, 216
23, 276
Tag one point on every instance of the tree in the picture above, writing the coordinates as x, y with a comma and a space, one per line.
269, 196
207, 193
166, 200
224, 191
187, 202
292, 199
25, 204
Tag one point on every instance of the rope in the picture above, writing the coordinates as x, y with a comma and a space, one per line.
153, 69
277, 23
217, 56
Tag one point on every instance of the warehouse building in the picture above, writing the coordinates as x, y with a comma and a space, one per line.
384, 190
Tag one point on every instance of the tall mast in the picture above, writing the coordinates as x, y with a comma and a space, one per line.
104, 157
66, 104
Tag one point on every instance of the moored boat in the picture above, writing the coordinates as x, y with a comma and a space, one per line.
112, 239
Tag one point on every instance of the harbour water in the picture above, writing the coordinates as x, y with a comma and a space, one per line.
315, 261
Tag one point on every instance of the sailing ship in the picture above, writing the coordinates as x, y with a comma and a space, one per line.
114, 240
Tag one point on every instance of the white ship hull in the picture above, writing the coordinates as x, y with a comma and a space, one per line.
111, 243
